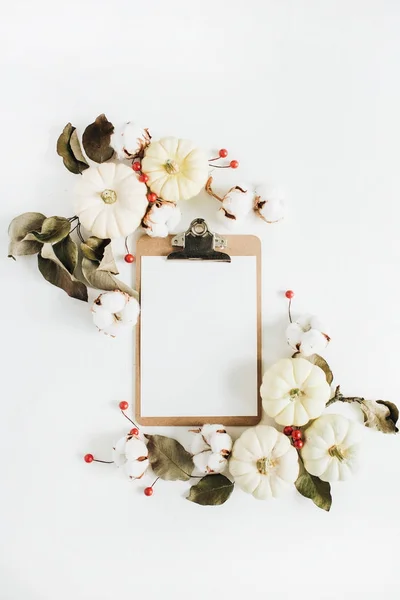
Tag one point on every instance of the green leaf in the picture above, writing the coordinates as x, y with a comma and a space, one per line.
103, 280
21, 243
314, 488
212, 490
93, 248
96, 139
316, 359
54, 229
57, 275
67, 253
67, 148
380, 415
169, 459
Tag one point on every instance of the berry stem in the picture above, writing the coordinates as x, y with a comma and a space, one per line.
221, 166
154, 482
106, 462
212, 159
126, 245
289, 310
126, 417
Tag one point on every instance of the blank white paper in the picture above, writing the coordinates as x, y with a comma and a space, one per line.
198, 337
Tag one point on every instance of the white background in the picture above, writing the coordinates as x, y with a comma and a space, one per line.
303, 93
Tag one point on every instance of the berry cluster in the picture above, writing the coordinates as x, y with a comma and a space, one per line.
89, 458
296, 436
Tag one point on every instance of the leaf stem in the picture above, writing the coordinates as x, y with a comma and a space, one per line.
338, 397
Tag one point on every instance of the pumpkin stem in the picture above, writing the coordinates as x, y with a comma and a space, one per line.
335, 453
171, 167
108, 196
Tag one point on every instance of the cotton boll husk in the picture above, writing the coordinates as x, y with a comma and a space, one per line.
220, 442
130, 313
129, 139
113, 301
208, 429
229, 223
102, 318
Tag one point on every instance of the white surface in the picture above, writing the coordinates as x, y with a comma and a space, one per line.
199, 326
304, 93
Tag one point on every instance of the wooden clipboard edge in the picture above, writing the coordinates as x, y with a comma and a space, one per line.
243, 245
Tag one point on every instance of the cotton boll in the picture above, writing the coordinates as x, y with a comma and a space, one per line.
114, 312
313, 342
129, 140
131, 454
112, 301
307, 335
161, 218
135, 469
201, 461
135, 449
197, 443
269, 203
221, 442
102, 318
239, 201
207, 430
226, 220
130, 313
216, 463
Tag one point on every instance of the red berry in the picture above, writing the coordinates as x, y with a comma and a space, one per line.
234, 164
288, 430
152, 197
298, 444
144, 178
296, 434
123, 405
88, 458
129, 258
134, 431
148, 491
289, 294
223, 153
136, 166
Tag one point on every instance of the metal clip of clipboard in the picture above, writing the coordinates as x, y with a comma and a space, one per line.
199, 243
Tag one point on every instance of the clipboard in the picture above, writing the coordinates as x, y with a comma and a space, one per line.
188, 369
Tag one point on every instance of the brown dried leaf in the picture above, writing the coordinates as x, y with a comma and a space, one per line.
380, 415
21, 244
96, 139
57, 275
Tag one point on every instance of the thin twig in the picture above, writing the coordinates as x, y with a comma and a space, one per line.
126, 417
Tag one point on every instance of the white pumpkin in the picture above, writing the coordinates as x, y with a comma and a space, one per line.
331, 448
264, 463
294, 391
110, 201
177, 169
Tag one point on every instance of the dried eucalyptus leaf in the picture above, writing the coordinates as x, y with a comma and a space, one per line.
212, 490
169, 459
67, 253
314, 488
316, 359
94, 247
96, 139
380, 415
58, 276
19, 229
64, 149
75, 146
54, 229
103, 280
